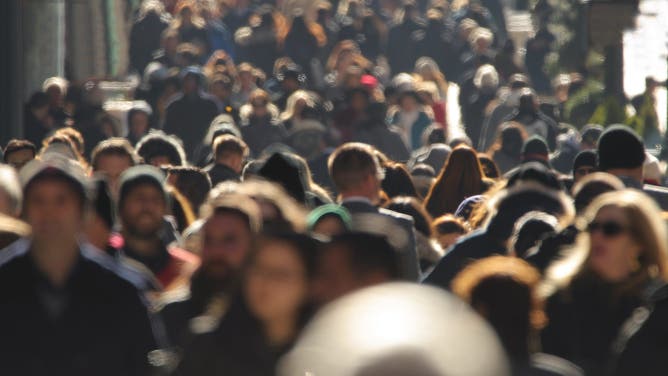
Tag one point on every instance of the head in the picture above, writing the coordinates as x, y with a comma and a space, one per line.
583, 165
504, 290
630, 163
278, 278
353, 261
590, 135
529, 230
593, 185
461, 177
192, 182
409, 101
356, 171
139, 119
38, 104
329, 220
259, 101
535, 150
19, 152
191, 81
410, 206
626, 238
111, 158
54, 200
486, 79
157, 149
231, 224
142, 202
489, 167
447, 229
397, 181
55, 88
230, 151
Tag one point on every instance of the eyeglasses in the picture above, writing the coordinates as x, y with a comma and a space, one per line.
607, 228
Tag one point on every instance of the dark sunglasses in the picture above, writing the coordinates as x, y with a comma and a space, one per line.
608, 228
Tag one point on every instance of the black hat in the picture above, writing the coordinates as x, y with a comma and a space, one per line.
535, 149
620, 147
139, 175
584, 158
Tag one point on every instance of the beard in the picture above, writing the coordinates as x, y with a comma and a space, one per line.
137, 228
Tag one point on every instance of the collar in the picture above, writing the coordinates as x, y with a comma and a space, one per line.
359, 199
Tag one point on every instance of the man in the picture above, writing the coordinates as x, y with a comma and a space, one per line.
357, 176
231, 223
622, 153
229, 155
66, 310
142, 205
189, 115
353, 261
19, 152
111, 158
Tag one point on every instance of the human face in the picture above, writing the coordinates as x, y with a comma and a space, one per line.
142, 211
613, 250
160, 160
113, 166
581, 172
226, 242
54, 211
259, 107
139, 124
19, 158
276, 285
335, 276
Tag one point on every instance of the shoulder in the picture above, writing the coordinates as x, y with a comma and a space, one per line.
399, 217
117, 271
13, 252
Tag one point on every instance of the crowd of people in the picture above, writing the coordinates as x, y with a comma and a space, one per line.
278, 158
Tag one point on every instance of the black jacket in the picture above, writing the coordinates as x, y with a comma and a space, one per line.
96, 325
189, 118
236, 348
220, 173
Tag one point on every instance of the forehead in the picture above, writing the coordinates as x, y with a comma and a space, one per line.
226, 222
611, 212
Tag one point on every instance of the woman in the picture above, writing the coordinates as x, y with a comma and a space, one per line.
294, 109
614, 265
263, 322
411, 119
460, 178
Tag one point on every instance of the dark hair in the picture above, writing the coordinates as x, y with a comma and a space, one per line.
398, 181
367, 253
448, 224
114, 146
227, 144
180, 209
351, 163
38, 99
411, 206
157, 143
193, 183
18, 145
461, 177
488, 166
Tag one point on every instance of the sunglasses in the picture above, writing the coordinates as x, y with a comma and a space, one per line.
608, 228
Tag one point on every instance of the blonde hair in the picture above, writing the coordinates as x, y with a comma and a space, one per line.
291, 103
645, 226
